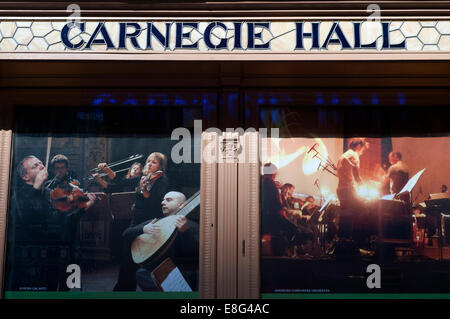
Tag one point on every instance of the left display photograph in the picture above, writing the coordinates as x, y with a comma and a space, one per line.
101, 200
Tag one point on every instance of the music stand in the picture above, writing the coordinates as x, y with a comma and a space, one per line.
437, 206
391, 207
121, 204
168, 277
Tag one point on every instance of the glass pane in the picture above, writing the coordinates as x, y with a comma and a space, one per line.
101, 201
351, 199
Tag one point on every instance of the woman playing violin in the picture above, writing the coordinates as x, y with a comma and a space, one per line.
149, 195
152, 188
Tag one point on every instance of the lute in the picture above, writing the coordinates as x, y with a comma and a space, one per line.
146, 248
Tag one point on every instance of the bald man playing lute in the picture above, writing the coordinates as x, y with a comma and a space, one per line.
180, 245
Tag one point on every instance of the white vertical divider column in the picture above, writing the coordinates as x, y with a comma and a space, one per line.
5, 169
248, 218
208, 216
227, 216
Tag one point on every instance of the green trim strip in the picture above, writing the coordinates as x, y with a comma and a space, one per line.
354, 296
99, 295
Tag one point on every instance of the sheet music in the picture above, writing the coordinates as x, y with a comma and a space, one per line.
388, 196
175, 282
412, 182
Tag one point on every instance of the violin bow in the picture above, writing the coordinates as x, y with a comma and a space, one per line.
49, 146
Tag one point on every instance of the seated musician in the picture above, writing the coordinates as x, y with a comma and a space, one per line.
287, 190
184, 251
128, 183
284, 233
39, 229
309, 207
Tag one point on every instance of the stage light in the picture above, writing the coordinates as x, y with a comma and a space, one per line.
362, 191
368, 192
373, 193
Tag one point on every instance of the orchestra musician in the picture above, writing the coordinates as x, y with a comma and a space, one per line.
352, 206
398, 173
284, 234
63, 176
287, 190
43, 233
64, 179
183, 251
149, 195
309, 207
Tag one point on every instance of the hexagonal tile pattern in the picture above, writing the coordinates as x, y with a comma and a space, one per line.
443, 27
38, 44
8, 44
56, 47
428, 23
395, 25
410, 29
41, 28
58, 25
23, 36
24, 24
8, 29
22, 47
429, 36
444, 42
396, 37
46, 35
413, 44
430, 47
53, 37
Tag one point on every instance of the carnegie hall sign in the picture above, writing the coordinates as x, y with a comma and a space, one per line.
233, 37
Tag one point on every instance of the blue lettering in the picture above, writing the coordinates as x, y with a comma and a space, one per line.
207, 36
340, 40
252, 36
386, 41
123, 35
186, 35
106, 39
237, 35
300, 35
152, 30
357, 33
65, 35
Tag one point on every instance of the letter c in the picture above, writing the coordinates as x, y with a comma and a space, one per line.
264, 308
65, 35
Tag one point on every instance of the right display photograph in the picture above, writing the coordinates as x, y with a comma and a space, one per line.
355, 208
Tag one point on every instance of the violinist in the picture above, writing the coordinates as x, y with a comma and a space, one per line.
149, 195
152, 188
309, 207
64, 185
63, 190
40, 228
62, 176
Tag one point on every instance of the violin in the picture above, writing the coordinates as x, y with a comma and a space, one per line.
149, 180
69, 198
